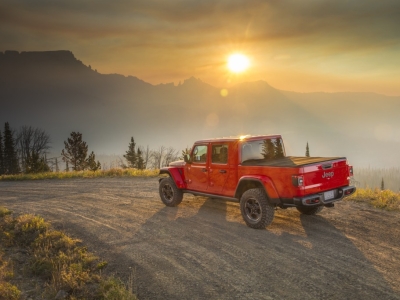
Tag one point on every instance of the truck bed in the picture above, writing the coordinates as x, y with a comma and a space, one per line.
289, 161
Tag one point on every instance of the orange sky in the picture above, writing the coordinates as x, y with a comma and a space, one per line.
303, 46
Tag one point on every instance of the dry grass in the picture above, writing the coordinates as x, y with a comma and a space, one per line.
56, 260
386, 199
372, 178
83, 174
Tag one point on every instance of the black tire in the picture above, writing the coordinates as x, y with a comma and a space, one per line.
169, 193
256, 211
310, 210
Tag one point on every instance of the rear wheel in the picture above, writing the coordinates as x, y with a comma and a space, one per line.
169, 193
256, 211
310, 210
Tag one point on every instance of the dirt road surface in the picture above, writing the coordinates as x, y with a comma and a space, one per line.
202, 249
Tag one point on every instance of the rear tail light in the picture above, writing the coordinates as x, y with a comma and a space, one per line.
312, 201
297, 180
349, 191
351, 170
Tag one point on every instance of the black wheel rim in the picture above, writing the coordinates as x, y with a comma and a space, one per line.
168, 192
252, 209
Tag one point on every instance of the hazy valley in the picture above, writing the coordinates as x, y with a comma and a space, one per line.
60, 94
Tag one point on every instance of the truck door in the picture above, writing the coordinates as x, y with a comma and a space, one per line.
197, 171
218, 168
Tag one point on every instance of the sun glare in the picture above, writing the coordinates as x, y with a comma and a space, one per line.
238, 63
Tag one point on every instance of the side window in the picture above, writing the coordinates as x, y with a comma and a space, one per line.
219, 154
199, 154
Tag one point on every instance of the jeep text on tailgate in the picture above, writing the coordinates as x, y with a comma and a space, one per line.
256, 171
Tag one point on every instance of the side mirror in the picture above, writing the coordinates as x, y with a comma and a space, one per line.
186, 158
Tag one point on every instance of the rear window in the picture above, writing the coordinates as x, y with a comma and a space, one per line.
262, 150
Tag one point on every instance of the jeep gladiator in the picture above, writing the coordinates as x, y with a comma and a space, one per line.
255, 171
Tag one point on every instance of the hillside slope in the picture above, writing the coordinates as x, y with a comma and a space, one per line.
55, 91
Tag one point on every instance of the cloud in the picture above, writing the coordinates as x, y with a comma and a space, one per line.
164, 36
195, 23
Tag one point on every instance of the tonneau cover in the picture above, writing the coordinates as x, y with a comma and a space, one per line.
289, 161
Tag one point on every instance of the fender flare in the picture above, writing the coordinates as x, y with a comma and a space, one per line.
258, 181
176, 174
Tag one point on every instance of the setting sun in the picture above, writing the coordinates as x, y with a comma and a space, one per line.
238, 63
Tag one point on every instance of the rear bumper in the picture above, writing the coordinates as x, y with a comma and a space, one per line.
320, 198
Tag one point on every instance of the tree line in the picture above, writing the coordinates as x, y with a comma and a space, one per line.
25, 151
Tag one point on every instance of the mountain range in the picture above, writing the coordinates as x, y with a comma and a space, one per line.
56, 92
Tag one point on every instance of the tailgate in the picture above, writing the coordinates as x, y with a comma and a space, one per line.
325, 176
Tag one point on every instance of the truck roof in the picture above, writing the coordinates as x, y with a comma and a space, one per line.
239, 138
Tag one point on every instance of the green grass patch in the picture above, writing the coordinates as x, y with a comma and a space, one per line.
60, 262
7, 290
4, 212
385, 199
83, 174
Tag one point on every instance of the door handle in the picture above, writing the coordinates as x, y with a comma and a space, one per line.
222, 171
204, 170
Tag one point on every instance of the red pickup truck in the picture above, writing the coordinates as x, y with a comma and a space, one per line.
256, 171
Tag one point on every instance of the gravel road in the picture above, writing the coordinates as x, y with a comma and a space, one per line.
202, 249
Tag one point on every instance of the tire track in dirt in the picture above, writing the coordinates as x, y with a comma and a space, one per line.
203, 250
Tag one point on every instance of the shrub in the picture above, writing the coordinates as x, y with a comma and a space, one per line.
28, 228
4, 212
57, 259
386, 199
9, 291
114, 289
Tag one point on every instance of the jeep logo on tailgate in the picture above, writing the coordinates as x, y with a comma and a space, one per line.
328, 174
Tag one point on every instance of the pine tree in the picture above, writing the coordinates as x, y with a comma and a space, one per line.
32, 163
1, 155
36, 164
139, 161
382, 185
186, 151
279, 148
10, 159
130, 155
92, 164
307, 151
268, 149
75, 152
66, 166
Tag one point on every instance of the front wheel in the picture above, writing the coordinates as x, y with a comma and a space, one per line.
169, 193
310, 210
256, 211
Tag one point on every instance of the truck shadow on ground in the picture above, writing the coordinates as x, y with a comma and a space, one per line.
211, 254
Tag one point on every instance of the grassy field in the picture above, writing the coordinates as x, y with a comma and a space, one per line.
371, 178
38, 262
83, 174
386, 199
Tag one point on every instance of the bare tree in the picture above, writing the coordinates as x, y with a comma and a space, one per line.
56, 165
157, 157
146, 156
120, 163
31, 143
53, 163
170, 155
